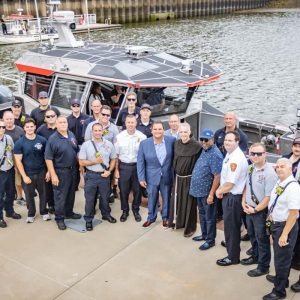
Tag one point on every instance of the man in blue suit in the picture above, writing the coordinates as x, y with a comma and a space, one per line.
155, 172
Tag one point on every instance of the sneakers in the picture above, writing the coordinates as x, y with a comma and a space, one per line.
46, 217
30, 220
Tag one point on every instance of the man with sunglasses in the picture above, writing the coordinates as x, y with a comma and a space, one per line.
232, 184
7, 176
38, 114
261, 179
16, 108
131, 109
204, 183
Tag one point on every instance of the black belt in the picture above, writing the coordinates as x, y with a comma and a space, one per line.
65, 168
228, 194
128, 164
278, 223
94, 172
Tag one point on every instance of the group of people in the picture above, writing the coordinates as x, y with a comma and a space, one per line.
46, 152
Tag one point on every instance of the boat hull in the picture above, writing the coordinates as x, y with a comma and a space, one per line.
20, 39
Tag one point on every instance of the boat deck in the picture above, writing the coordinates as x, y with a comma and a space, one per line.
118, 261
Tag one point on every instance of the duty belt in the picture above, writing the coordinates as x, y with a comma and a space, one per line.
128, 164
184, 176
94, 172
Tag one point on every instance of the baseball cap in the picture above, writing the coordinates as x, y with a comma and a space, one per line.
43, 94
145, 105
296, 141
207, 134
16, 102
75, 101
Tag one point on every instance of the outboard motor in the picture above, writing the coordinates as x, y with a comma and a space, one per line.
6, 98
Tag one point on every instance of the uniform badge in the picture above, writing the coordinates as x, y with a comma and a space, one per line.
233, 167
38, 146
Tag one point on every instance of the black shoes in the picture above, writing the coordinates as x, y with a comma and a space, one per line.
295, 266
249, 261
257, 272
2, 224
249, 251
61, 225
206, 246
111, 198
13, 215
245, 238
124, 216
74, 216
273, 296
224, 262
110, 219
89, 226
51, 210
198, 238
271, 278
296, 287
223, 243
137, 216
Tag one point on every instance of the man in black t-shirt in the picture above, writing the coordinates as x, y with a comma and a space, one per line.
16, 108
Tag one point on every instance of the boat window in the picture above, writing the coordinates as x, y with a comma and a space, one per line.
35, 84
166, 101
65, 90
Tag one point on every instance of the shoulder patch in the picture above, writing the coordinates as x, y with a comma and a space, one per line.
233, 167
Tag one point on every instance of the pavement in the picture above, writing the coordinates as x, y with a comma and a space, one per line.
118, 261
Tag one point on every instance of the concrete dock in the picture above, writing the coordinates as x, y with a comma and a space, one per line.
96, 27
118, 261
268, 10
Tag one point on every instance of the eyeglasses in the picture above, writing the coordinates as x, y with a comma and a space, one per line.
204, 140
131, 99
256, 153
2, 127
50, 116
105, 115
75, 105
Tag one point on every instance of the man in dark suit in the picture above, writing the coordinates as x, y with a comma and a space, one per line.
155, 172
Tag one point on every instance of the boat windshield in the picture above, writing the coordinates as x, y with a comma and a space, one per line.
166, 101
35, 84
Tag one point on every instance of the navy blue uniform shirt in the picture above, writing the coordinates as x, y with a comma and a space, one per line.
45, 132
76, 126
61, 150
146, 130
124, 113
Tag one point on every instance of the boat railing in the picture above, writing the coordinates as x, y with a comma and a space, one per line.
13, 81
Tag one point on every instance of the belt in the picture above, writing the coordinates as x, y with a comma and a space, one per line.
5, 171
94, 172
183, 176
278, 223
65, 168
128, 164
228, 194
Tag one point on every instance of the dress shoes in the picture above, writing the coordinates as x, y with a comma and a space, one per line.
165, 223
257, 272
223, 243
61, 225
245, 238
273, 296
206, 245
124, 216
249, 251
74, 216
111, 198
13, 215
2, 224
110, 219
137, 217
51, 210
271, 278
226, 261
296, 287
147, 223
198, 238
251, 260
89, 226
295, 266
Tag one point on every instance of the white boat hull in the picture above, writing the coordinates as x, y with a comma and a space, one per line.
19, 39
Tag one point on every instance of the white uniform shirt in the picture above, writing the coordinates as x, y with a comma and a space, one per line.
234, 170
289, 199
127, 145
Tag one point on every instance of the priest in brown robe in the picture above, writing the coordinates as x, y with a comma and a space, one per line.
183, 207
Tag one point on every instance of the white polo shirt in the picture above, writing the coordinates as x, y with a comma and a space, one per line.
289, 199
234, 170
127, 145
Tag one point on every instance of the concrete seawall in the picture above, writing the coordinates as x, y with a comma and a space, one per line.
127, 11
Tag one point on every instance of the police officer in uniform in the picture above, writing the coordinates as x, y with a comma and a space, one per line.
261, 179
61, 159
232, 184
98, 157
283, 212
144, 123
127, 147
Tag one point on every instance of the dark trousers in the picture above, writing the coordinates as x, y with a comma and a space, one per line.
129, 181
93, 184
260, 241
208, 218
49, 194
282, 256
232, 215
296, 257
7, 191
64, 193
37, 182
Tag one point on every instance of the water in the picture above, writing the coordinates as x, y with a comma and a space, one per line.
259, 55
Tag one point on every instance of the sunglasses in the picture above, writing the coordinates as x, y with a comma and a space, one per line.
16, 106
131, 99
2, 127
204, 140
75, 105
50, 116
256, 153
105, 115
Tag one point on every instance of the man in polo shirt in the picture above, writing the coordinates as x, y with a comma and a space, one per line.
61, 159
204, 183
98, 157
38, 114
96, 110
174, 122
144, 123
16, 108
